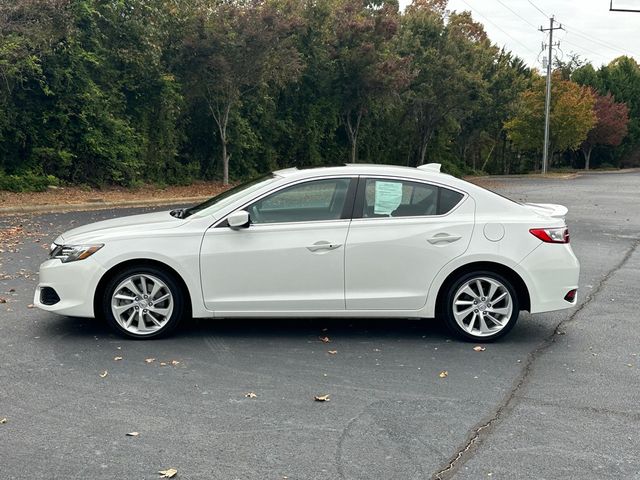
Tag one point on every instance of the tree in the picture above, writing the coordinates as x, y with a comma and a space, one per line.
448, 60
566, 68
367, 70
572, 117
611, 127
235, 48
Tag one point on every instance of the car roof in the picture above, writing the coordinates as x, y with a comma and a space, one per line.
429, 172
363, 169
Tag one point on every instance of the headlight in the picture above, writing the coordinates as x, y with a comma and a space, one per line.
71, 253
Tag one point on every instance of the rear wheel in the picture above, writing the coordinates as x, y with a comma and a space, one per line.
481, 306
143, 302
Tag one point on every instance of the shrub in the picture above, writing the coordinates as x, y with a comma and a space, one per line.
27, 182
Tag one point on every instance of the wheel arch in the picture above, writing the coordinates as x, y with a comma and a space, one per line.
518, 283
116, 269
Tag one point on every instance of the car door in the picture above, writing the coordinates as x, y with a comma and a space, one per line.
402, 233
289, 258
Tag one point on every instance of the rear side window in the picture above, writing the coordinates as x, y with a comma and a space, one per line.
400, 198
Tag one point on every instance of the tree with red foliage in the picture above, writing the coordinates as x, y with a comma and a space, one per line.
611, 126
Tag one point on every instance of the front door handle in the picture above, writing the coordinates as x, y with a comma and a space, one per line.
443, 237
323, 245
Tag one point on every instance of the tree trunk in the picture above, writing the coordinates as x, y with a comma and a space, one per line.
587, 157
222, 120
486, 161
354, 150
426, 138
352, 133
225, 162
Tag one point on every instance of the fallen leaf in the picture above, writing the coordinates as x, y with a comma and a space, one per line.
332, 352
104, 374
11, 290
321, 398
31, 305
3, 300
175, 362
133, 434
251, 395
443, 374
478, 348
3, 420
117, 359
149, 360
324, 339
168, 473
163, 364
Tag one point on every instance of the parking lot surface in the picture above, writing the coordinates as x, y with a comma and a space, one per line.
557, 398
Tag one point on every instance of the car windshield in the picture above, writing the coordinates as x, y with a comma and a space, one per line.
229, 196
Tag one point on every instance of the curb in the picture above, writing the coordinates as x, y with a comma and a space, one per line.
537, 176
87, 206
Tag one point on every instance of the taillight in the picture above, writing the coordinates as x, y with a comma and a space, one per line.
551, 235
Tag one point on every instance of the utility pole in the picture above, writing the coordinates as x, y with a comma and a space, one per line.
547, 104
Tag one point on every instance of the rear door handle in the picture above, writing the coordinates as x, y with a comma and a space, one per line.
323, 245
444, 238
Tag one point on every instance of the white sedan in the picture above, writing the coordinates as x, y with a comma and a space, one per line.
349, 241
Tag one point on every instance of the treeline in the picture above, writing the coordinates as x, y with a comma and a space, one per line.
127, 91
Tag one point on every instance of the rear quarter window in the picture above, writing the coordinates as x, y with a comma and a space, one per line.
448, 200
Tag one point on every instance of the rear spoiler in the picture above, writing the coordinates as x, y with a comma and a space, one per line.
548, 209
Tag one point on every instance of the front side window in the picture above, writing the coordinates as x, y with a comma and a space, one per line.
401, 198
315, 200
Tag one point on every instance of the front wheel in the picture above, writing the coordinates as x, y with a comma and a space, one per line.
481, 306
143, 302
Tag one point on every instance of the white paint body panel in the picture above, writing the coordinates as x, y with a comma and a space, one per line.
383, 266
269, 267
390, 261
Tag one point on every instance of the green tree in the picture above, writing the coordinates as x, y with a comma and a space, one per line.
572, 116
234, 49
367, 70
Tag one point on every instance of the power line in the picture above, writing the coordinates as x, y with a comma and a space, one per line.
538, 8
588, 51
516, 13
597, 41
492, 23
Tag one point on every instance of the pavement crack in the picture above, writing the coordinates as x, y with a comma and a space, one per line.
343, 436
465, 453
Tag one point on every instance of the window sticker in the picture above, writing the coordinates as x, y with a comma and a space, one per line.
388, 197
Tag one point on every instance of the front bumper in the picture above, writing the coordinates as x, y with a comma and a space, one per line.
552, 270
75, 284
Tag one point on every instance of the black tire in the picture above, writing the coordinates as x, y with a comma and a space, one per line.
447, 307
170, 283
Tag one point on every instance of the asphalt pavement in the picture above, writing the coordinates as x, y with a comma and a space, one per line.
559, 397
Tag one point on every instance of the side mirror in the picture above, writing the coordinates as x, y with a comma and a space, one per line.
238, 219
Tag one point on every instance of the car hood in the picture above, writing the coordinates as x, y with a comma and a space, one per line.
548, 209
129, 226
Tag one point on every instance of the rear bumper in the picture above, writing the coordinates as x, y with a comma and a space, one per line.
552, 271
75, 284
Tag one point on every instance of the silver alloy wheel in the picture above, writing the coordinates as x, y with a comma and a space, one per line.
482, 306
142, 304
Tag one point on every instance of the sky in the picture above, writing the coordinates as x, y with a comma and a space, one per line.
590, 29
